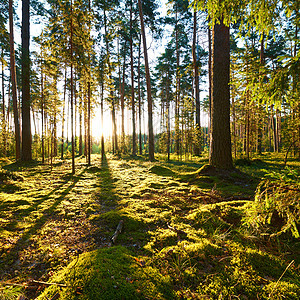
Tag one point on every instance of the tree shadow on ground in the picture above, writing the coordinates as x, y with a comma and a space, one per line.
26, 237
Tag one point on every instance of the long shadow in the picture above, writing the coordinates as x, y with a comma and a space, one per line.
39, 223
111, 212
106, 192
19, 213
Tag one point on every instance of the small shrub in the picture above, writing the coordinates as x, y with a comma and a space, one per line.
277, 204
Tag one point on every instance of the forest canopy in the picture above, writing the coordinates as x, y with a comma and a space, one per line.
87, 74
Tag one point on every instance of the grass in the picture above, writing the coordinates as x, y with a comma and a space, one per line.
184, 233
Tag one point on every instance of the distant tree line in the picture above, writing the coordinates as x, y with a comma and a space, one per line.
94, 54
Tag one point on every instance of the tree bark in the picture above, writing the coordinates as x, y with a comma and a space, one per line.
196, 81
102, 134
122, 102
177, 98
132, 85
139, 98
43, 116
80, 120
72, 91
89, 125
220, 143
4, 127
149, 96
26, 123
63, 116
14, 81
209, 77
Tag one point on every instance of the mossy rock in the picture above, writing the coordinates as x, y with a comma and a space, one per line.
162, 171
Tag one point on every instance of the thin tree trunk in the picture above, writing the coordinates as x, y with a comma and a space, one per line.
132, 86
14, 81
209, 77
4, 127
54, 122
43, 115
196, 81
89, 124
168, 121
149, 96
72, 91
102, 134
122, 102
63, 115
247, 125
139, 98
114, 137
80, 120
177, 96
26, 124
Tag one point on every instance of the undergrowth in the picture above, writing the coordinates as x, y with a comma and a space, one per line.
188, 233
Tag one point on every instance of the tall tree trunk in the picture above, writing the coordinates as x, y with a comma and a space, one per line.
168, 120
148, 82
102, 134
177, 96
209, 77
55, 121
132, 85
4, 127
26, 124
63, 116
113, 113
196, 81
89, 124
122, 102
14, 81
259, 129
72, 91
139, 98
43, 116
220, 143
80, 120
89, 97
247, 125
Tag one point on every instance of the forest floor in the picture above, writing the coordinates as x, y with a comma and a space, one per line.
184, 233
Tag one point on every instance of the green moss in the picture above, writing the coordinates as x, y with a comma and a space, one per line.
161, 171
112, 273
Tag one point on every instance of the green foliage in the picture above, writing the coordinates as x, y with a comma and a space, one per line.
10, 292
277, 204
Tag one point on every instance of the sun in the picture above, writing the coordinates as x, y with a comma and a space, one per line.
97, 124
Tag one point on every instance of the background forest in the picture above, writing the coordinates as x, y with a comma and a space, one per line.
88, 62
149, 149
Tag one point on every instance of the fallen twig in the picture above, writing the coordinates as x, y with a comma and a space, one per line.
47, 283
117, 232
34, 283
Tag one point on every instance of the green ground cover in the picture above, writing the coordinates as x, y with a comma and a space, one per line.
188, 231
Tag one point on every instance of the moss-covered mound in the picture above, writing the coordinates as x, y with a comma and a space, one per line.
162, 171
110, 273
